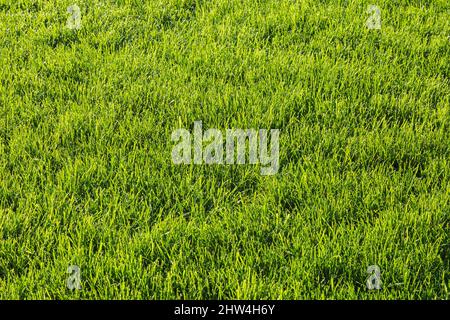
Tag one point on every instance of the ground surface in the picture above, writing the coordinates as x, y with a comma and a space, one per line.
86, 176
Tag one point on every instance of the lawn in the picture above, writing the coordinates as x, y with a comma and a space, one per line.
87, 177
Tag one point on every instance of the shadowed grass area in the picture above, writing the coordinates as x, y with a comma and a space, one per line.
86, 176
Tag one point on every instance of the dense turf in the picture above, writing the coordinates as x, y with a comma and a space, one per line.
86, 176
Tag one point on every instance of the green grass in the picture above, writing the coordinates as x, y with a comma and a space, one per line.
86, 176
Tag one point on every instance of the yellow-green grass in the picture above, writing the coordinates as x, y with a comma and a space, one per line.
86, 176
